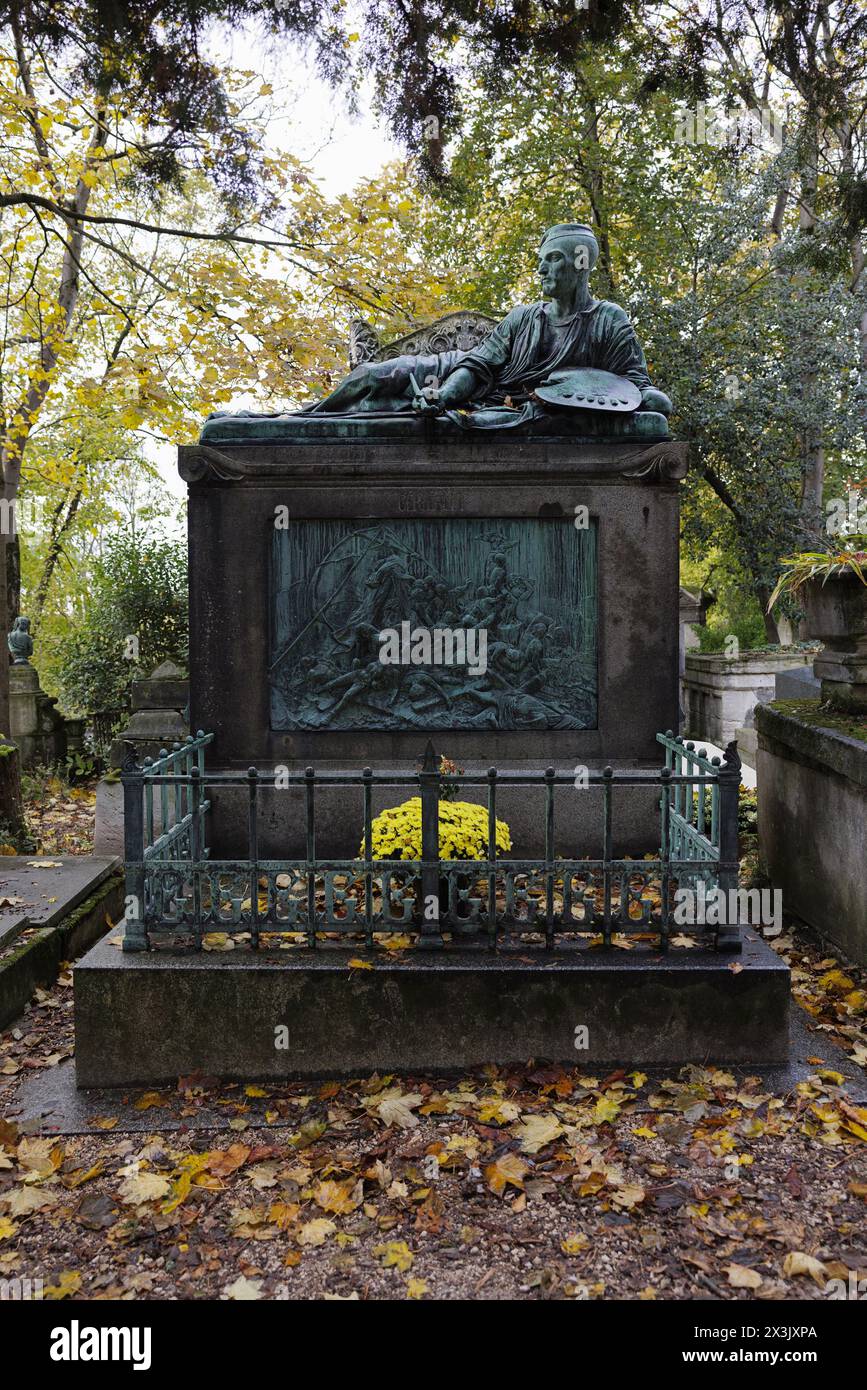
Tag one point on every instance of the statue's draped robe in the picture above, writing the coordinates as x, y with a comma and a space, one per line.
520, 354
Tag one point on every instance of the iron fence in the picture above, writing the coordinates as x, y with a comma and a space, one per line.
101, 727
181, 898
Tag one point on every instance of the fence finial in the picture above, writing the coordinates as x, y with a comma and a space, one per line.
429, 761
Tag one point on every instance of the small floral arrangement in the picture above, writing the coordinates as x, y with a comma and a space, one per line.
463, 827
848, 558
449, 790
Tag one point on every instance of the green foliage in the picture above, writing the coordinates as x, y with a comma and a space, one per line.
748, 811
449, 789
79, 766
748, 322
136, 619
733, 609
156, 57
16, 839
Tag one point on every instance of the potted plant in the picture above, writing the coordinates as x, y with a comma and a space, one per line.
832, 585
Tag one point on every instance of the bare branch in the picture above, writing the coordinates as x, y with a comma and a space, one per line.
75, 215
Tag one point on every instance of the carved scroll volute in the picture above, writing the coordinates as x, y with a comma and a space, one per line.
665, 462
364, 344
199, 463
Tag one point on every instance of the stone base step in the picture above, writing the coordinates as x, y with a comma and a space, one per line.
146, 1019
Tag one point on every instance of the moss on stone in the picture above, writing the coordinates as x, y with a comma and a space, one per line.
821, 716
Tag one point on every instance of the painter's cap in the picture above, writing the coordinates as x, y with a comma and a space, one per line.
570, 237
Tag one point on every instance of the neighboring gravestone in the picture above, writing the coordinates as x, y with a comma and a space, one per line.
158, 714
158, 720
35, 725
693, 615
797, 684
721, 692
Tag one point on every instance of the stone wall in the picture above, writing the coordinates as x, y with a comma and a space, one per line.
813, 825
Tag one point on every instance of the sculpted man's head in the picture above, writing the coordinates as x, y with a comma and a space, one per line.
567, 254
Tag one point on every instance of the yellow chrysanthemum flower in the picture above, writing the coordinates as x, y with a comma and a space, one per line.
396, 832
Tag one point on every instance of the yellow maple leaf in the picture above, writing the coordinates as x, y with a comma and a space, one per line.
149, 1101
395, 1253
628, 1196
797, 1263
41, 1156
836, 982
573, 1244
21, 1201
606, 1110
283, 1214
339, 1197
68, 1284
507, 1170
535, 1131
180, 1190
495, 1109
143, 1187
316, 1232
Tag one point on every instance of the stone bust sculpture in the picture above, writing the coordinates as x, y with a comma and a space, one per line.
492, 385
19, 642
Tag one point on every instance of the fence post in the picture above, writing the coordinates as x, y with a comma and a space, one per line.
132, 778
728, 937
665, 853
431, 935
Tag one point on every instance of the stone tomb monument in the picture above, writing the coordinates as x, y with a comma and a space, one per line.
470, 547
472, 508
302, 552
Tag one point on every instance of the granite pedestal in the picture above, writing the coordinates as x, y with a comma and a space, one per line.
411, 471
224, 1014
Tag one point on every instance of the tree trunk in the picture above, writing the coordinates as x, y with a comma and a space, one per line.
11, 809
18, 423
760, 588
13, 579
590, 173
812, 445
58, 530
772, 633
4, 658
